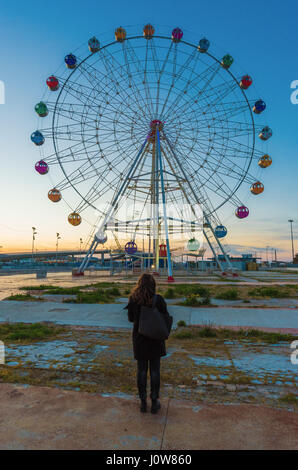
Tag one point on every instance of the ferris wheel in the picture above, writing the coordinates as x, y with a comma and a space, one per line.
158, 121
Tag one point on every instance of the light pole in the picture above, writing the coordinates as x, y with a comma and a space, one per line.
291, 225
34, 232
81, 242
57, 240
267, 254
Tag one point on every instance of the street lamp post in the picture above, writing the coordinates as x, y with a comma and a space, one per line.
267, 254
81, 242
57, 240
34, 232
291, 225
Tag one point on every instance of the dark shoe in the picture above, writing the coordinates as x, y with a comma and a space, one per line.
155, 406
143, 407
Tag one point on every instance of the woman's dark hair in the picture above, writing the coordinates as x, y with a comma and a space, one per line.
144, 291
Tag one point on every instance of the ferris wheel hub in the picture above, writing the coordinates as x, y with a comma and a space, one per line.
156, 123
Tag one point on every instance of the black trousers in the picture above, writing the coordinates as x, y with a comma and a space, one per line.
154, 377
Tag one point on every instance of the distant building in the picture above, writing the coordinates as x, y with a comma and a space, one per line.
245, 262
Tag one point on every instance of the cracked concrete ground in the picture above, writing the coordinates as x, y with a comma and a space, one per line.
113, 315
77, 420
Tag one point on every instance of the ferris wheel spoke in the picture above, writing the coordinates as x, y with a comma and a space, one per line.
182, 162
207, 112
201, 198
106, 88
215, 95
230, 168
93, 194
174, 78
69, 153
230, 144
207, 81
73, 149
202, 168
107, 58
161, 71
72, 114
145, 81
191, 85
81, 92
91, 95
129, 51
194, 57
203, 195
222, 111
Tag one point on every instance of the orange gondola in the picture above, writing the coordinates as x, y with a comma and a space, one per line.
54, 195
257, 188
120, 34
74, 219
148, 31
265, 161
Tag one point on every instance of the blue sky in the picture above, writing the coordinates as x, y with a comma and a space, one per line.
261, 36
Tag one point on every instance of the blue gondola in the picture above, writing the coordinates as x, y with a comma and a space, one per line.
71, 61
220, 231
37, 138
204, 45
130, 248
259, 106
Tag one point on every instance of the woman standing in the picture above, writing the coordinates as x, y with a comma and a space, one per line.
147, 351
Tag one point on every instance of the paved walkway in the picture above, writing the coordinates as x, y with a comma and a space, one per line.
48, 418
113, 315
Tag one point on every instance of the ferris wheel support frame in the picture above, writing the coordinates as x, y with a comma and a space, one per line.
111, 210
159, 158
230, 268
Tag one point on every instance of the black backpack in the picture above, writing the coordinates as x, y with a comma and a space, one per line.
152, 323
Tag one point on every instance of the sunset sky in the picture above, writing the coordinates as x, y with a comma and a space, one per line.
35, 36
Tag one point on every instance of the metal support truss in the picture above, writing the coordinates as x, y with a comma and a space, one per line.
170, 272
100, 233
208, 224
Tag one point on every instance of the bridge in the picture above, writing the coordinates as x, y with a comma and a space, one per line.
5, 257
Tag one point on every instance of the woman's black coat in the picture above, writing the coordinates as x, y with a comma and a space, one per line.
146, 348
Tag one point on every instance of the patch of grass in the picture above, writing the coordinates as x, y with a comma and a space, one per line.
40, 287
101, 285
27, 331
290, 398
276, 292
206, 300
113, 291
191, 301
266, 336
169, 293
207, 332
195, 289
98, 296
183, 334
228, 294
24, 297
224, 333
